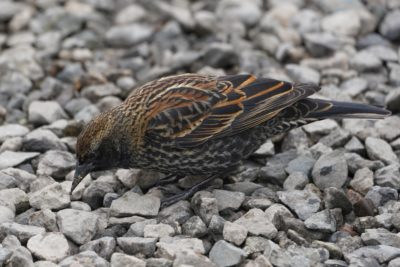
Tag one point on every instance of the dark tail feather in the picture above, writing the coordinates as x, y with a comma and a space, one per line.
335, 109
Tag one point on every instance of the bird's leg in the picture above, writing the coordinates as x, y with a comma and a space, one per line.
187, 193
171, 178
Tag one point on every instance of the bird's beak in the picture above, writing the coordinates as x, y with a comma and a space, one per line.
81, 171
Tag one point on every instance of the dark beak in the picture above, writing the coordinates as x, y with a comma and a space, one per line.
81, 171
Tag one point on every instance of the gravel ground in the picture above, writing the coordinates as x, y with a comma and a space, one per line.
325, 194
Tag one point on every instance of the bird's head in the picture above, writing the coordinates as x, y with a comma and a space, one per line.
97, 148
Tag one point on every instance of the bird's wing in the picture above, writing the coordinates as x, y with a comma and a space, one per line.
194, 109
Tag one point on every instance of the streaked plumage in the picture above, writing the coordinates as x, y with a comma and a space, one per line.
195, 124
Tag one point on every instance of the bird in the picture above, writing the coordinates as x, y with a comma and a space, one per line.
192, 124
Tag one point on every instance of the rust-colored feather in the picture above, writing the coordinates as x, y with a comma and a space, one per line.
191, 109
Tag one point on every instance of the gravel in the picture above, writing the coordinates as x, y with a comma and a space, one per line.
325, 194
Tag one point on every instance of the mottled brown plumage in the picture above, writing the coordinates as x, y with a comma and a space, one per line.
194, 124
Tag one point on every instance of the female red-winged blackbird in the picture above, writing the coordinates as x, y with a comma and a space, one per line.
192, 124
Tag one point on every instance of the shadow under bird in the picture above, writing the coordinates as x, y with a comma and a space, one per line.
192, 124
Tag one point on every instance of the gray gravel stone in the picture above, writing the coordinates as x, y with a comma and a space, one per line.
390, 25
11, 158
134, 245
169, 247
301, 164
303, 74
54, 196
86, 258
158, 230
56, 164
225, 254
380, 236
304, 203
22, 232
228, 199
266, 149
345, 22
12, 130
381, 253
44, 218
144, 205
379, 149
190, 258
128, 35
120, 260
79, 226
296, 180
324, 221
41, 140
194, 227
257, 223
15, 199
388, 176
366, 61
104, 246
363, 180
45, 112
381, 195
6, 214
49, 246
204, 205
234, 233
330, 170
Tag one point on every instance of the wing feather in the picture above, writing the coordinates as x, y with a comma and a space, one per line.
200, 108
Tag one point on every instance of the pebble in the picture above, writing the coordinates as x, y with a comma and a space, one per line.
388, 176
390, 25
225, 254
41, 140
330, 170
257, 223
80, 226
363, 180
86, 258
381, 253
324, 221
303, 202
380, 236
303, 74
44, 218
49, 246
11, 158
45, 112
170, 247
120, 260
190, 258
194, 227
204, 205
158, 230
12, 130
381, 195
103, 246
234, 233
365, 61
56, 164
54, 196
296, 180
345, 22
378, 149
144, 205
134, 245
128, 35
228, 199
22, 232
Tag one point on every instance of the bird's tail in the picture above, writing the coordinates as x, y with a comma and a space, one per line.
336, 109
